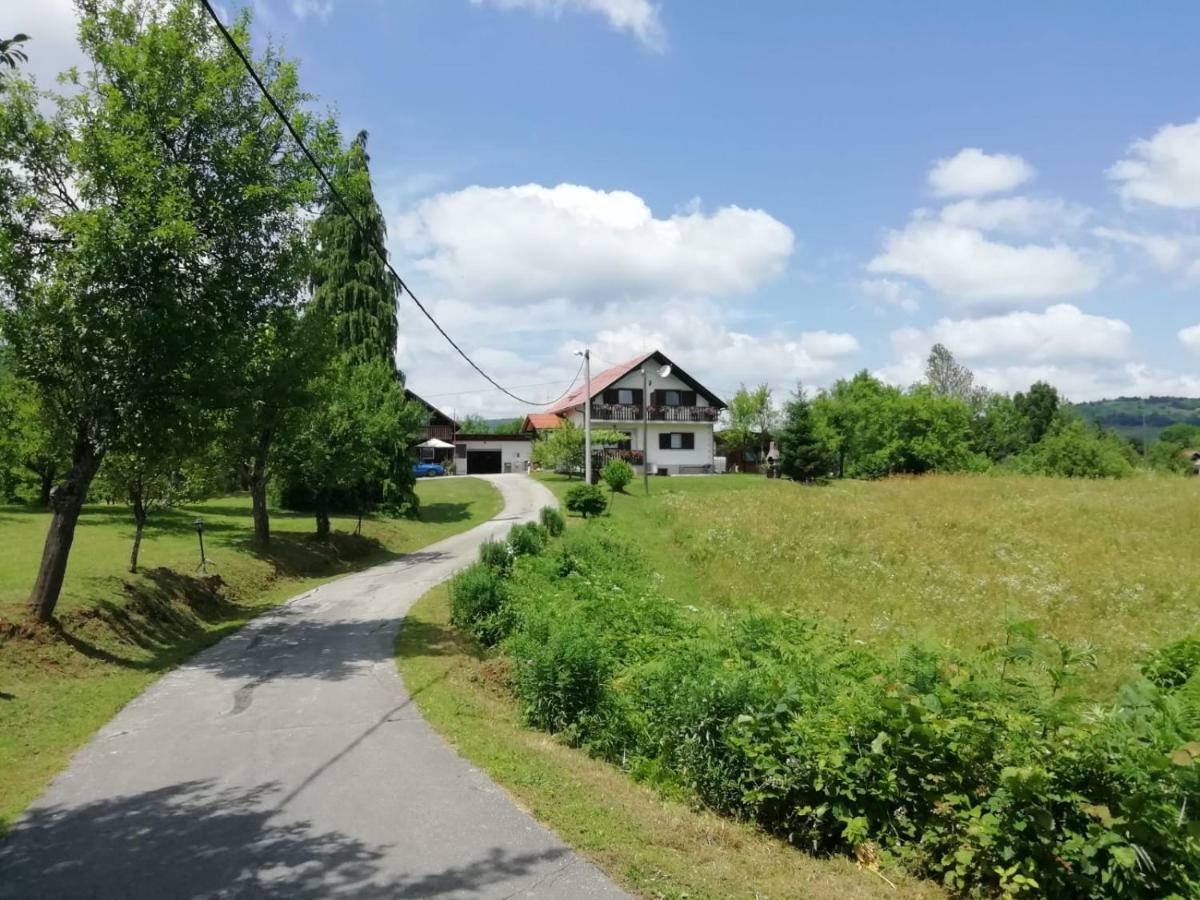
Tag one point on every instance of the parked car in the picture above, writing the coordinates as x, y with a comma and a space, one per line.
428, 469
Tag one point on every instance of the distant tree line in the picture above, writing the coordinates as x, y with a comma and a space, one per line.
184, 308
864, 428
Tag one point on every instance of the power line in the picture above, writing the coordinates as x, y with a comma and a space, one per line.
212, 13
515, 387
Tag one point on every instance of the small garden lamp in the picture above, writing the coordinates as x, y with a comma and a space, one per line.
199, 523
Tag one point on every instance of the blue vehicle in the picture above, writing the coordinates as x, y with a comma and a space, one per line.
428, 469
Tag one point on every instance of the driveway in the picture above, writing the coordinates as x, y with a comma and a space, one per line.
289, 761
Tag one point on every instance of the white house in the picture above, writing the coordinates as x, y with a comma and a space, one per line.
668, 419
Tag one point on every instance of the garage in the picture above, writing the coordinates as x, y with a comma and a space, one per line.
484, 462
491, 454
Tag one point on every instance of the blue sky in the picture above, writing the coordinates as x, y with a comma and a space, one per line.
756, 187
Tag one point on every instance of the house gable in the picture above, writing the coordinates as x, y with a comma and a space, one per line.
626, 375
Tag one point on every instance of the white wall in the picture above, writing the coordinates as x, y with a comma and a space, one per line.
514, 452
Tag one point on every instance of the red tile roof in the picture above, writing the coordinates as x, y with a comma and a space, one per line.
599, 382
541, 421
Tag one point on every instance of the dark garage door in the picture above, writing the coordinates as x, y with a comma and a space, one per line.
483, 462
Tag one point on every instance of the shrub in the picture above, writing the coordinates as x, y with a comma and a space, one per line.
527, 539
477, 597
1076, 450
495, 555
979, 770
552, 520
1174, 664
586, 499
617, 474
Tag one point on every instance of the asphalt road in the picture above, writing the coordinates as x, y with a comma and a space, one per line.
289, 761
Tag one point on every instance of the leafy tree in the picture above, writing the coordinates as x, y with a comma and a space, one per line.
149, 482
271, 384
563, 448
512, 426
350, 442
803, 456
134, 220
473, 423
29, 450
1039, 405
351, 283
1000, 429
1181, 434
617, 474
946, 377
586, 499
752, 418
1071, 449
11, 52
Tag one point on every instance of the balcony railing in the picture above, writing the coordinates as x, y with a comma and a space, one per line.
626, 412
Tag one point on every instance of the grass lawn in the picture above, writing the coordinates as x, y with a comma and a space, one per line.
654, 846
939, 558
119, 632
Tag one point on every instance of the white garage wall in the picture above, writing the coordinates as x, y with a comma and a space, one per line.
513, 453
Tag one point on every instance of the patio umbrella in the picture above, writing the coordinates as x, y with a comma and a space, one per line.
436, 444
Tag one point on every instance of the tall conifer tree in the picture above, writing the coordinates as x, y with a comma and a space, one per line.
351, 284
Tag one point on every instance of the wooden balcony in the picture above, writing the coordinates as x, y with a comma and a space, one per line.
622, 412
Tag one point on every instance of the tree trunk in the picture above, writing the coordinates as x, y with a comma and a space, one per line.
258, 502
46, 477
358, 527
66, 501
322, 523
139, 518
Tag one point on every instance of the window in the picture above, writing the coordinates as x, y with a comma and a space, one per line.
427, 453
672, 398
460, 450
625, 397
677, 440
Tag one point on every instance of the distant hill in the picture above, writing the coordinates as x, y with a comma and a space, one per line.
1124, 414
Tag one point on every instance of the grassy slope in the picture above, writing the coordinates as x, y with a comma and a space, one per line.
655, 846
942, 558
120, 632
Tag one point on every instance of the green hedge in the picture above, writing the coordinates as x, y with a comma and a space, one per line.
994, 784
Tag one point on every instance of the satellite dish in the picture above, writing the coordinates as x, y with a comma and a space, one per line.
664, 371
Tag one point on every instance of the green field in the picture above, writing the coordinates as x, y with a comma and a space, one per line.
946, 560
118, 632
943, 558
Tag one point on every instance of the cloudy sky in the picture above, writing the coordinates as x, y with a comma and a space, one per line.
771, 191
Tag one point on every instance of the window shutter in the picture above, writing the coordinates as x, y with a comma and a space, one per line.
610, 396
689, 398
637, 396
656, 398
664, 441
689, 440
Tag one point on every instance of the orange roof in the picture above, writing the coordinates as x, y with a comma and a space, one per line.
600, 382
541, 421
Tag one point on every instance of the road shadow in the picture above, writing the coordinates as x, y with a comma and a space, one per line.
304, 556
199, 839
444, 512
194, 839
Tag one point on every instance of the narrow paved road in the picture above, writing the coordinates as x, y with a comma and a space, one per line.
290, 761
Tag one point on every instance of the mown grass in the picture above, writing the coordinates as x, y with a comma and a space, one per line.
116, 632
947, 559
653, 845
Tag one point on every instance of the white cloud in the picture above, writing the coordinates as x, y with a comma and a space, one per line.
965, 265
1015, 215
52, 48
1060, 333
703, 337
889, 292
1163, 170
639, 18
1174, 253
317, 9
513, 245
973, 173
1190, 337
